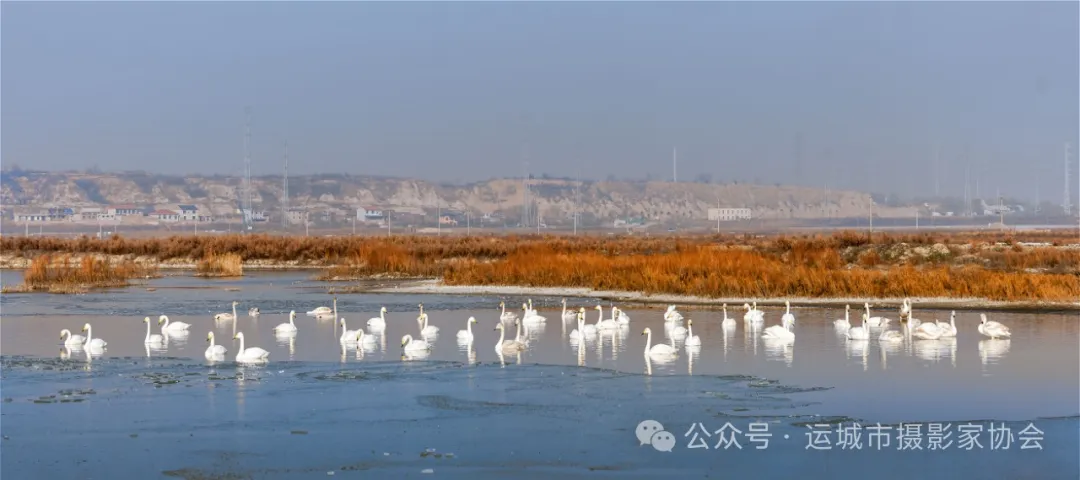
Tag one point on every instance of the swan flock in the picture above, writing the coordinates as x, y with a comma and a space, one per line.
867, 327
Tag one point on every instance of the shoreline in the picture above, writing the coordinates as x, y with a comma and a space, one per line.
436, 287
392, 285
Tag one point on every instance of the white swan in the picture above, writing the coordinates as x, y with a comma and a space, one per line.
606, 324
249, 355
753, 315
71, 340
859, 333
92, 342
530, 316
890, 336
378, 322
420, 317
522, 333
926, 331
787, 320
672, 315
228, 316
411, 345
567, 314
428, 330
507, 346
579, 332
661, 350
948, 329
993, 329
589, 329
348, 337
779, 332
467, 333
728, 321
845, 322
172, 327
622, 318
289, 327
676, 331
320, 311
364, 338
214, 352
253, 312
531, 312
692, 340
505, 315
905, 309
874, 321
912, 321
154, 339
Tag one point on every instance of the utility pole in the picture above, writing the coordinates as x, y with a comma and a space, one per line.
438, 218
388, 214
246, 199
675, 164
1067, 203
937, 171
871, 218
916, 218
1001, 209
354, 225
285, 188
718, 215
468, 223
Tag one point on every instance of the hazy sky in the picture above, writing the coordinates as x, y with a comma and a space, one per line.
853, 94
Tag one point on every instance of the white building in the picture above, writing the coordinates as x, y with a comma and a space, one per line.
370, 213
729, 214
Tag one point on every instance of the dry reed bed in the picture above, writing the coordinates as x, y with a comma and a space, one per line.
707, 272
991, 266
62, 275
220, 265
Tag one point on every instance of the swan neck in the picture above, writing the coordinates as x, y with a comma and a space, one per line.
148, 330
648, 341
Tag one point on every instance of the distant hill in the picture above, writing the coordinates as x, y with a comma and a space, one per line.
555, 198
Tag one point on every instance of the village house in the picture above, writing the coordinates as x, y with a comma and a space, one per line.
370, 214
295, 216
188, 212
36, 215
165, 215
124, 210
91, 213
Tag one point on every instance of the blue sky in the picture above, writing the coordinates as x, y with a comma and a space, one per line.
853, 94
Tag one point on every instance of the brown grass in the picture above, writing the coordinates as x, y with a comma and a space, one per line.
711, 272
994, 266
62, 275
220, 265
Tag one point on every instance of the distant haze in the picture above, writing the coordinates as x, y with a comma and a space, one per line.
853, 95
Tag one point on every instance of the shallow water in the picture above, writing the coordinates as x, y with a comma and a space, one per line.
562, 407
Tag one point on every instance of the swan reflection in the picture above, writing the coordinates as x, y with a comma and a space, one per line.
993, 351
859, 349
780, 349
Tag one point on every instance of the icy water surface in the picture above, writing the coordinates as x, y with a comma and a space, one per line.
562, 407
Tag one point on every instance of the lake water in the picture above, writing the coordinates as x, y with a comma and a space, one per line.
561, 407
